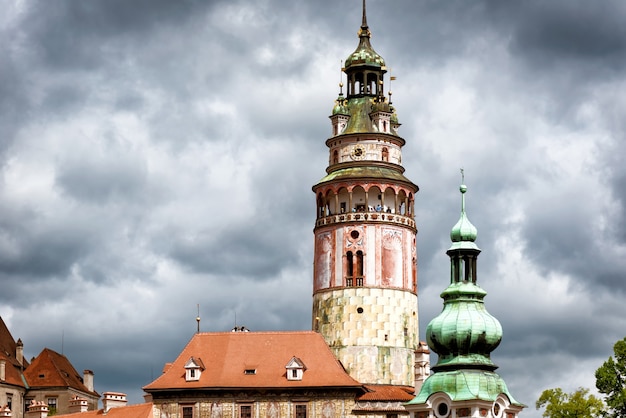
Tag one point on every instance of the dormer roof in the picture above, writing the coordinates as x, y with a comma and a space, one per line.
295, 363
194, 363
232, 353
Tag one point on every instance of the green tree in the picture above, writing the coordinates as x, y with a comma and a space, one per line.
611, 381
578, 404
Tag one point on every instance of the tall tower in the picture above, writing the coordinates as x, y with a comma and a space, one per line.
464, 382
365, 271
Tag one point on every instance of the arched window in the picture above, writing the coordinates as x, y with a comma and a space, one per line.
385, 154
335, 157
359, 268
350, 270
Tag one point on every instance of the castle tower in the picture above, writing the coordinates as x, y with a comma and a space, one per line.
464, 382
365, 271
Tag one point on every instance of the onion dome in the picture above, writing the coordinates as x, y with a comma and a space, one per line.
340, 106
464, 334
463, 230
394, 116
364, 53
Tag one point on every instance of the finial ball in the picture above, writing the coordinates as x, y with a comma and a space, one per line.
463, 188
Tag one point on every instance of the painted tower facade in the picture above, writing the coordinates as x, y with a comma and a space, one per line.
464, 382
365, 266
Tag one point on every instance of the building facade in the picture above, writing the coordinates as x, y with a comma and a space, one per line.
50, 380
243, 374
365, 261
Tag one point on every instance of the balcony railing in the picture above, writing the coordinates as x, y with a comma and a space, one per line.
383, 217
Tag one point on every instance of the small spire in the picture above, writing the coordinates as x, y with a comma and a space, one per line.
364, 22
364, 31
463, 189
463, 231
198, 318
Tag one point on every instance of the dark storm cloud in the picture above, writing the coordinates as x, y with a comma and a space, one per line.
75, 35
556, 34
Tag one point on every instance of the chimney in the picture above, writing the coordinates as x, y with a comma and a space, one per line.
422, 365
37, 410
88, 379
113, 400
3, 370
19, 352
77, 404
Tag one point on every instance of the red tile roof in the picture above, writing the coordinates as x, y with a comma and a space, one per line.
143, 410
227, 355
51, 369
387, 393
8, 346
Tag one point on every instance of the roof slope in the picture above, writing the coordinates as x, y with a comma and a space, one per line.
8, 348
51, 369
387, 393
8, 345
226, 356
142, 410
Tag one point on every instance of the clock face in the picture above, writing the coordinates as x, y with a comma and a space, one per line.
358, 152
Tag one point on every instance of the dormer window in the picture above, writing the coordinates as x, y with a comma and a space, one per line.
295, 369
193, 369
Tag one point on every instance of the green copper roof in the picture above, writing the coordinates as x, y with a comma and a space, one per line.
364, 53
463, 234
464, 334
464, 385
363, 172
340, 106
359, 109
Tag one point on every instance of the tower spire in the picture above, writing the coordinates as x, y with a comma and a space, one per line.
364, 20
463, 335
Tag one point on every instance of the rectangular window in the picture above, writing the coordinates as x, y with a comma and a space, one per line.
52, 406
10, 402
187, 411
294, 373
300, 411
245, 411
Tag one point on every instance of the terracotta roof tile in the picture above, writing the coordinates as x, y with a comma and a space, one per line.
387, 393
12, 374
8, 345
51, 369
143, 410
226, 356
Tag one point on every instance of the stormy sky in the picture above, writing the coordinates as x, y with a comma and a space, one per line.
157, 154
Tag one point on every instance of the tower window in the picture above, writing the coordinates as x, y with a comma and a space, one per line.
359, 310
350, 268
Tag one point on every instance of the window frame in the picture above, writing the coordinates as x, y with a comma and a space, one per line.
300, 405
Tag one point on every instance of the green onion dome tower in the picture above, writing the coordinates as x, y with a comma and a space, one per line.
365, 263
464, 334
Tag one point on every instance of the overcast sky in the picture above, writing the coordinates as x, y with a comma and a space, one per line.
157, 154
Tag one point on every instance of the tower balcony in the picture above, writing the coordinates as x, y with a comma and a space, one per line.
370, 216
